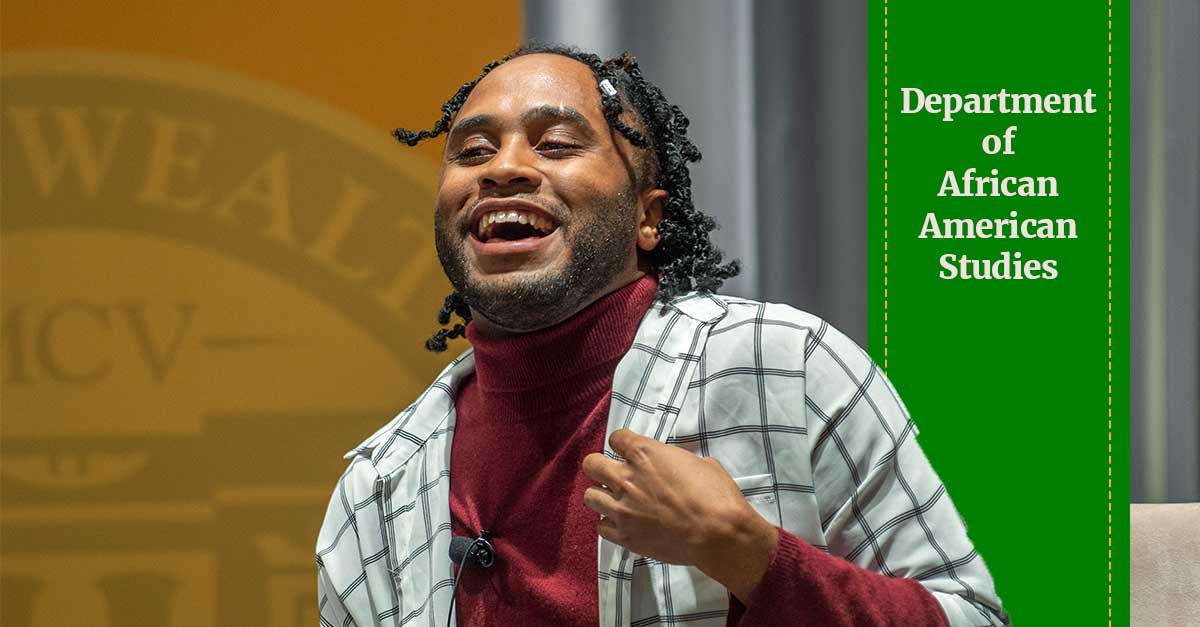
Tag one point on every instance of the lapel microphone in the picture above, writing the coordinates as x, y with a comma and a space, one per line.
464, 551
479, 551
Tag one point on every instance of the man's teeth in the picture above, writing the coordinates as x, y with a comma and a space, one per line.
521, 217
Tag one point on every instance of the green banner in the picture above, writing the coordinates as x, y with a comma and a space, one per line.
999, 280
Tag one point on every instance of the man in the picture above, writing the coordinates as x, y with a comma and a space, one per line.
759, 469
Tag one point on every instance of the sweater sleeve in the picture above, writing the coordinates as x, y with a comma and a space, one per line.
806, 586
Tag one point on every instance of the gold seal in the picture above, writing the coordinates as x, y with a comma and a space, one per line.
212, 287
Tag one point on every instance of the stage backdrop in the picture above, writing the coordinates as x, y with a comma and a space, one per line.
217, 275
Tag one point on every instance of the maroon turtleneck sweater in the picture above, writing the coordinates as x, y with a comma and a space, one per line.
535, 407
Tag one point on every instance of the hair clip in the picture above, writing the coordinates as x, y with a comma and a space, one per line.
606, 86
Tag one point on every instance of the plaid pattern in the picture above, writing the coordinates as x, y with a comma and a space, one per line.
810, 429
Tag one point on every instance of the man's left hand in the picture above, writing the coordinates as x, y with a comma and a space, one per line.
670, 505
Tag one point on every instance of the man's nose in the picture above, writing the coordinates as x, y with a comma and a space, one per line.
511, 167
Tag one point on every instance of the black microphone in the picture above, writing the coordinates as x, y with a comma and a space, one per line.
478, 551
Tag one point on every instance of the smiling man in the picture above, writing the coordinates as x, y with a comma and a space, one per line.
759, 469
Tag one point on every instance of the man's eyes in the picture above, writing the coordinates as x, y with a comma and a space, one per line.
468, 154
473, 152
556, 146
547, 147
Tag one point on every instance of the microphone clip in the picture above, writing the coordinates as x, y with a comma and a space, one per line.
478, 551
482, 550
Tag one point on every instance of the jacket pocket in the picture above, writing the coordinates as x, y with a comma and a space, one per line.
758, 490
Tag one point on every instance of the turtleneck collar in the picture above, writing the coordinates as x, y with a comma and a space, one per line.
530, 374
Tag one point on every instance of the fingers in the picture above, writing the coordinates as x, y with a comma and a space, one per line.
603, 470
600, 501
604, 503
626, 443
609, 531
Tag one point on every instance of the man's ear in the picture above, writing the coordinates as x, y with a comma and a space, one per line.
650, 213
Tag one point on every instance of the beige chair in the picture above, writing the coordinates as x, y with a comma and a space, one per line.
1164, 565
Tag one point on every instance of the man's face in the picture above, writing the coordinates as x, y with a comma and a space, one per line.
537, 212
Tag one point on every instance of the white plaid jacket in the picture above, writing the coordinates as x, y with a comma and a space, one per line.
810, 429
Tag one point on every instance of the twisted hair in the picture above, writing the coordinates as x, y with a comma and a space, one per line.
685, 257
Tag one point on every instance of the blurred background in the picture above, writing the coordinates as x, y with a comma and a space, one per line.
217, 276
1164, 158
216, 268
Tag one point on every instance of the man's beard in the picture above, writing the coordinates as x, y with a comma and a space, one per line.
599, 251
